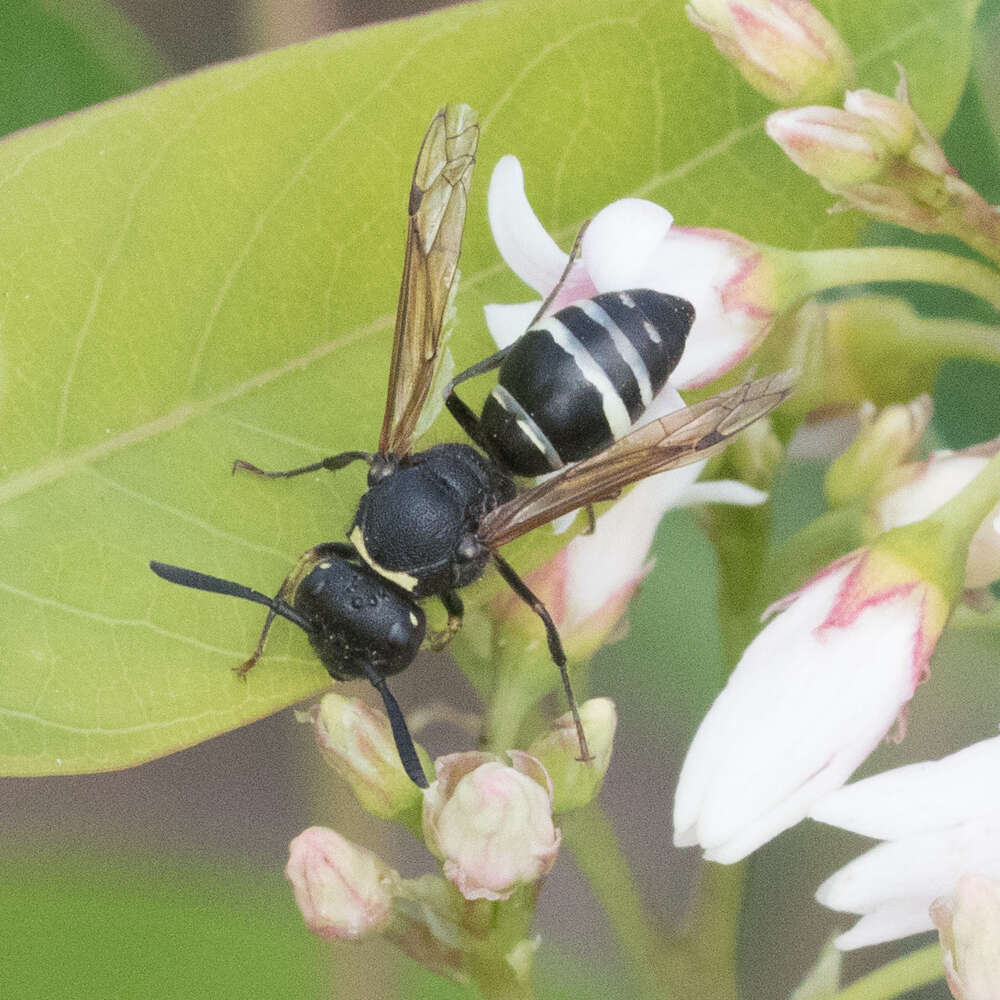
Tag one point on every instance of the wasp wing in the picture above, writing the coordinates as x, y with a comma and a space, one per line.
438, 198
685, 436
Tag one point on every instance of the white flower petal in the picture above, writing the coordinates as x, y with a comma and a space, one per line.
730, 491
898, 919
507, 322
521, 239
801, 710
697, 267
914, 870
917, 797
620, 240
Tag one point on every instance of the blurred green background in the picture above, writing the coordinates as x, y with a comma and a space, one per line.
165, 881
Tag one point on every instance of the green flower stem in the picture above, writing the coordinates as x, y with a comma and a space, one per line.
893, 980
818, 270
663, 966
588, 834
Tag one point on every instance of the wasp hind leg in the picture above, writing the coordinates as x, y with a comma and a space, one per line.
555, 643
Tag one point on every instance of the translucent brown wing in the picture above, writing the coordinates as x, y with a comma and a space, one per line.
688, 435
438, 198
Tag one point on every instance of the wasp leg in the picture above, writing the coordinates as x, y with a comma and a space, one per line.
574, 256
280, 605
591, 522
555, 644
465, 417
456, 610
331, 462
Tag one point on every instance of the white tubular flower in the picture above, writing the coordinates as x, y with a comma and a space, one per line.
733, 285
968, 924
809, 700
342, 890
491, 823
928, 485
938, 821
785, 49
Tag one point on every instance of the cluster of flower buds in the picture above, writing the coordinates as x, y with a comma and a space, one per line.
489, 820
878, 156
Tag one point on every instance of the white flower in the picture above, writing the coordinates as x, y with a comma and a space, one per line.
939, 820
928, 485
810, 698
632, 244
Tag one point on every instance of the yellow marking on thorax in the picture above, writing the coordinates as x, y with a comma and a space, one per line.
402, 579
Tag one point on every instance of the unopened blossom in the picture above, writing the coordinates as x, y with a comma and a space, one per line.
968, 923
341, 889
924, 487
939, 821
576, 782
879, 157
491, 823
735, 286
357, 742
812, 695
785, 49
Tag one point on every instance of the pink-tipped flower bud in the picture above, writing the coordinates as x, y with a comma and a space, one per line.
968, 924
576, 782
356, 741
893, 119
837, 147
785, 49
341, 889
491, 823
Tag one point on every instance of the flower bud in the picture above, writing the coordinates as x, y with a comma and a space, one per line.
491, 824
357, 743
837, 147
894, 120
968, 925
884, 441
342, 890
785, 49
576, 782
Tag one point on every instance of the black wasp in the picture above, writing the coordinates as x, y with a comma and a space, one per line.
431, 521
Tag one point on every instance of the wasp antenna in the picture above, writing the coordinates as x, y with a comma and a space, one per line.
400, 732
215, 585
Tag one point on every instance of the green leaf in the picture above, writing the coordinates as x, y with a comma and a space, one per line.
58, 57
207, 270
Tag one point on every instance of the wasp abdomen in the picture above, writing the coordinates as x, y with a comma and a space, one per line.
578, 380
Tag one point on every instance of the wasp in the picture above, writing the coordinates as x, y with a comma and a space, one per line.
431, 521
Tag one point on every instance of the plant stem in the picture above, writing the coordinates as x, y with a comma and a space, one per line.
819, 270
898, 977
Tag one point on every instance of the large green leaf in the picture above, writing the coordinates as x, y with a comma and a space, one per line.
207, 270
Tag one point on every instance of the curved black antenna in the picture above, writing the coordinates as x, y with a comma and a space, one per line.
400, 733
215, 585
